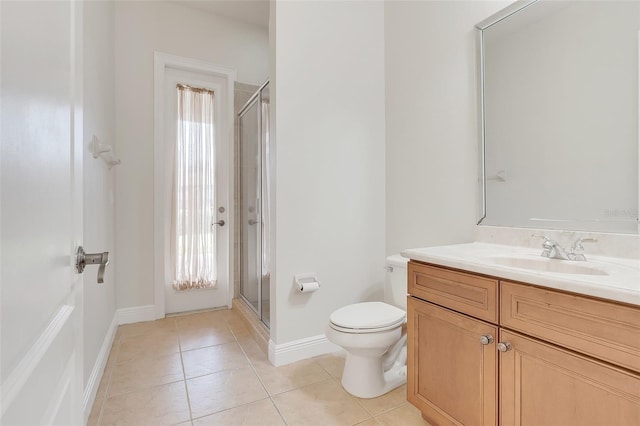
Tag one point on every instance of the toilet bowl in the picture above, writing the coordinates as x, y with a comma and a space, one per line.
371, 334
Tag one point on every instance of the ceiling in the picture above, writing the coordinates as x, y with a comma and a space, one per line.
255, 12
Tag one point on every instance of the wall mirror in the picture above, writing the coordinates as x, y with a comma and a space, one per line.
559, 116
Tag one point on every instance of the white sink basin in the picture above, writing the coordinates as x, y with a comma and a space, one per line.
544, 264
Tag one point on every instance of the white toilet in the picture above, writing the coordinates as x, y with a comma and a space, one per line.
371, 334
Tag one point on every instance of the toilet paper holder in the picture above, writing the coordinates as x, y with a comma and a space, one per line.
306, 283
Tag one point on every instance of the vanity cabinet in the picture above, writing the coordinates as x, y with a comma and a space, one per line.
452, 376
485, 351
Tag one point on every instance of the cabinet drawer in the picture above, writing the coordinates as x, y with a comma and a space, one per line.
602, 329
467, 293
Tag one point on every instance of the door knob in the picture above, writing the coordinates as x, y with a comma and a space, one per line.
83, 259
252, 222
219, 223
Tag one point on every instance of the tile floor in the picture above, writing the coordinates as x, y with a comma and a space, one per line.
206, 369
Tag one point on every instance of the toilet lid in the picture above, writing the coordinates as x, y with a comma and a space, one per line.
367, 315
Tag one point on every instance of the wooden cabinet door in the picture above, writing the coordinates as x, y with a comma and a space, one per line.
544, 385
452, 376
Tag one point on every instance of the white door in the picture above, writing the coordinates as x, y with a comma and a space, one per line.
218, 296
41, 214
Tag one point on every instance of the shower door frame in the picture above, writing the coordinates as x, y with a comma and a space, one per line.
256, 98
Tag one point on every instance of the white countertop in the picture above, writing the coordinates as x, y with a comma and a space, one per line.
612, 278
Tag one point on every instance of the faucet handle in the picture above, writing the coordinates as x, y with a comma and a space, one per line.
577, 250
578, 244
548, 244
546, 239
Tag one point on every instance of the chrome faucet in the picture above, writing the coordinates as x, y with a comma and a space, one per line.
553, 250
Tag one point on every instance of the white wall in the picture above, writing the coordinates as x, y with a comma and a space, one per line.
431, 121
99, 181
328, 111
140, 29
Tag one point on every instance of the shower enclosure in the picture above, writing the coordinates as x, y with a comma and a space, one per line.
253, 211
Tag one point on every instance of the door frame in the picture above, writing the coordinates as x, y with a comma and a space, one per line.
162, 61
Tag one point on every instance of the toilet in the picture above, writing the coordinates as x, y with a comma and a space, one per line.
371, 334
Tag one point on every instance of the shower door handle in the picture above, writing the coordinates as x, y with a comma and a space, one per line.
219, 223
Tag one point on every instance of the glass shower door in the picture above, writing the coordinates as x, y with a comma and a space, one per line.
250, 180
254, 203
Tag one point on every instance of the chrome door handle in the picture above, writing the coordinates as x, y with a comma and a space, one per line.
252, 222
83, 259
219, 223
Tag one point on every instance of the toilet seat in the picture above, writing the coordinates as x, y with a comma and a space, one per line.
367, 317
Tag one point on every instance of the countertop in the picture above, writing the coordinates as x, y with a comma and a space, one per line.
606, 277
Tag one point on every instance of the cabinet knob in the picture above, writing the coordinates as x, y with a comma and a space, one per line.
486, 339
504, 346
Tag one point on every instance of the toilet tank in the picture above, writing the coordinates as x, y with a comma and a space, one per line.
395, 283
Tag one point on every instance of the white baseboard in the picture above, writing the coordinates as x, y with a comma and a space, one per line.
91, 389
136, 314
297, 350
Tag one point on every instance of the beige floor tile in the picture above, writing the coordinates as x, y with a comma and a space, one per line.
386, 402
225, 389
369, 422
406, 415
112, 358
145, 372
152, 344
99, 401
292, 376
218, 352
253, 351
159, 405
259, 413
236, 312
324, 403
201, 319
94, 416
332, 363
189, 322
231, 314
143, 328
240, 329
200, 362
203, 336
